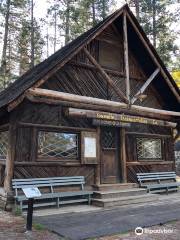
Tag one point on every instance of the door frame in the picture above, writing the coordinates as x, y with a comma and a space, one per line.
118, 155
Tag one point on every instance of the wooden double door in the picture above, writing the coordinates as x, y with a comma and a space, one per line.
110, 155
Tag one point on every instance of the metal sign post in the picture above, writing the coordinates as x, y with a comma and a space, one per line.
29, 214
30, 193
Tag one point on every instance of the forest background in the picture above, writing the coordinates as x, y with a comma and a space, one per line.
32, 30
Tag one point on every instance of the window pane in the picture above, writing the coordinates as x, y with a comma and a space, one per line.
62, 145
3, 144
148, 148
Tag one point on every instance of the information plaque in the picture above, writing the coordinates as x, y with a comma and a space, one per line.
90, 147
31, 192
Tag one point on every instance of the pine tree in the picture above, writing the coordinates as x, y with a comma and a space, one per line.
157, 20
13, 12
24, 48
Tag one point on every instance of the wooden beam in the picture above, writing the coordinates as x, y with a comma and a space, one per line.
154, 58
145, 85
90, 66
123, 154
126, 56
112, 109
82, 113
61, 96
162, 162
9, 170
105, 75
65, 128
97, 167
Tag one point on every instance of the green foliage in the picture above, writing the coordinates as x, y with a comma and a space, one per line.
157, 19
66, 20
39, 226
17, 211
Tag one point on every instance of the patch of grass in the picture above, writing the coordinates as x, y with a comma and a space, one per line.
39, 226
171, 222
17, 211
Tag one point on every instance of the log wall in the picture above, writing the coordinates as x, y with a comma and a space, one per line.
80, 76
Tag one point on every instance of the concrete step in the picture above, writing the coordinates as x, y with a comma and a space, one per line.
118, 193
117, 186
121, 201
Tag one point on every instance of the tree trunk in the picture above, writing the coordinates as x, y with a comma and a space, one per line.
103, 9
67, 29
5, 40
93, 13
154, 22
136, 3
32, 33
47, 42
55, 29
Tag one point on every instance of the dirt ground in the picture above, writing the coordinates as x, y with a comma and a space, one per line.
13, 228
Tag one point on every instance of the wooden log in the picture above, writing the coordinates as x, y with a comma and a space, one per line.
97, 167
4, 126
154, 58
106, 76
48, 162
50, 94
145, 85
123, 154
142, 163
9, 170
126, 56
149, 134
82, 113
53, 127
90, 66
96, 107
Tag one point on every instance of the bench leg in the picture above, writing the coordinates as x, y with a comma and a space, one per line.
89, 199
57, 202
21, 206
167, 191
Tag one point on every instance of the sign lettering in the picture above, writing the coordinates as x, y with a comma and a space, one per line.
125, 118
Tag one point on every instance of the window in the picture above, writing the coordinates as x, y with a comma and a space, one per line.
3, 145
149, 148
57, 145
110, 57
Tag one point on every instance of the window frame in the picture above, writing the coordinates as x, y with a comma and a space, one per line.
58, 159
2, 131
150, 159
105, 64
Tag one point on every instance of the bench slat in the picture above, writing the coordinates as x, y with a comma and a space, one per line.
51, 183
160, 178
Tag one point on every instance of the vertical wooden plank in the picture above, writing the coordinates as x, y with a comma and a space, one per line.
126, 57
98, 166
9, 170
123, 154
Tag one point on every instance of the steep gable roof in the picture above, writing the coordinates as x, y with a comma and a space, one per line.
32, 76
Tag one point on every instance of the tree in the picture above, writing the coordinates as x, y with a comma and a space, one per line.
5, 10
13, 12
24, 48
157, 20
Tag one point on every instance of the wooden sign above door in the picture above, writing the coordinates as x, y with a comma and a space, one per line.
121, 118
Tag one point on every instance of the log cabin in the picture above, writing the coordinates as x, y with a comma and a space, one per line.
104, 106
